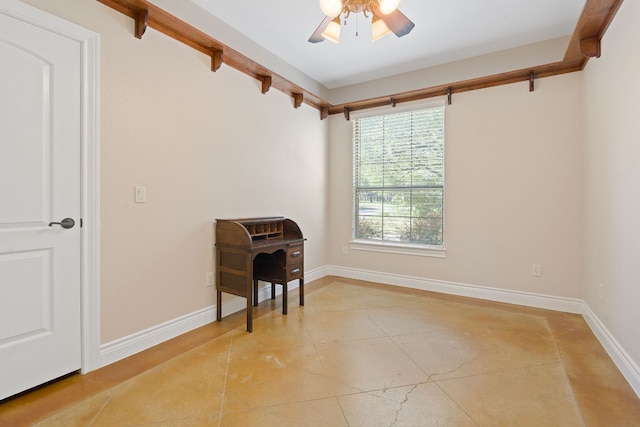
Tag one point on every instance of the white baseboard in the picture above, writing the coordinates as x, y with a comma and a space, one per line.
568, 305
127, 346
621, 358
135, 343
132, 344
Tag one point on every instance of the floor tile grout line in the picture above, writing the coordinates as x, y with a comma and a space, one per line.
324, 368
95, 417
392, 336
564, 370
224, 386
503, 371
366, 310
402, 350
456, 403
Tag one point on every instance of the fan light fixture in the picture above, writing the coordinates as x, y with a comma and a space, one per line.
334, 8
378, 28
332, 32
385, 18
331, 8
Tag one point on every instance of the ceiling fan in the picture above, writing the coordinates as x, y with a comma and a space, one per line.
386, 18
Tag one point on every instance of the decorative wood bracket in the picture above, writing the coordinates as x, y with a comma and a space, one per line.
449, 95
324, 113
590, 48
216, 59
347, 113
141, 17
531, 82
266, 83
297, 100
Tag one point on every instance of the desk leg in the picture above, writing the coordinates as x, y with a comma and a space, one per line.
285, 303
250, 306
218, 306
255, 292
301, 288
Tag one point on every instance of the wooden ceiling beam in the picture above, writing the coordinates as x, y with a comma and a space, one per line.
584, 44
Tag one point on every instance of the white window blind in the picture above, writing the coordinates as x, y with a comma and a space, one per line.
399, 177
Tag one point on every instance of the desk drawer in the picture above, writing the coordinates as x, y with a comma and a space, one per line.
295, 254
294, 271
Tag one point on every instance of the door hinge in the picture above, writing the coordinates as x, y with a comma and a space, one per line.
81, 223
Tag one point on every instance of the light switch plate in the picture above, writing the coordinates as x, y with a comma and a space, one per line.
141, 194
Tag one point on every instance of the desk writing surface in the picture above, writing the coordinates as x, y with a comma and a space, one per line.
259, 245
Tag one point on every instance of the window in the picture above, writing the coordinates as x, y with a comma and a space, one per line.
399, 177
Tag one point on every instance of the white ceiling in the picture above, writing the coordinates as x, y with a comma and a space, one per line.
445, 31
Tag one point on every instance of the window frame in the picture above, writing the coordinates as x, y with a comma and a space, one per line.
387, 246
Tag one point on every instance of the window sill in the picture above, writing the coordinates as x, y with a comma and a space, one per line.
398, 248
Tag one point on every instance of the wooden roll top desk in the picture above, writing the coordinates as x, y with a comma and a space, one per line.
251, 249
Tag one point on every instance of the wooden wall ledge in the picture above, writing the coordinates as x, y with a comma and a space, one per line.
145, 14
584, 44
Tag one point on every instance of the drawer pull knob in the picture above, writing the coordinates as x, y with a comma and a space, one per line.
296, 254
295, 271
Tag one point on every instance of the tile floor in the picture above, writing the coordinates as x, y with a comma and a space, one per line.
357, 354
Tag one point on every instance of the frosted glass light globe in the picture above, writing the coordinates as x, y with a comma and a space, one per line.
388, 6
331, 8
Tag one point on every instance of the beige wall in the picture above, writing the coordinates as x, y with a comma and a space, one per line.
612, 181
512, 197
206, 145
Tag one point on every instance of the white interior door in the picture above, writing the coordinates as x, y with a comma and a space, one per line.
40, 135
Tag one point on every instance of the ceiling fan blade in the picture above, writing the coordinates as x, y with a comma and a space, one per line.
397, 22
316, 37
